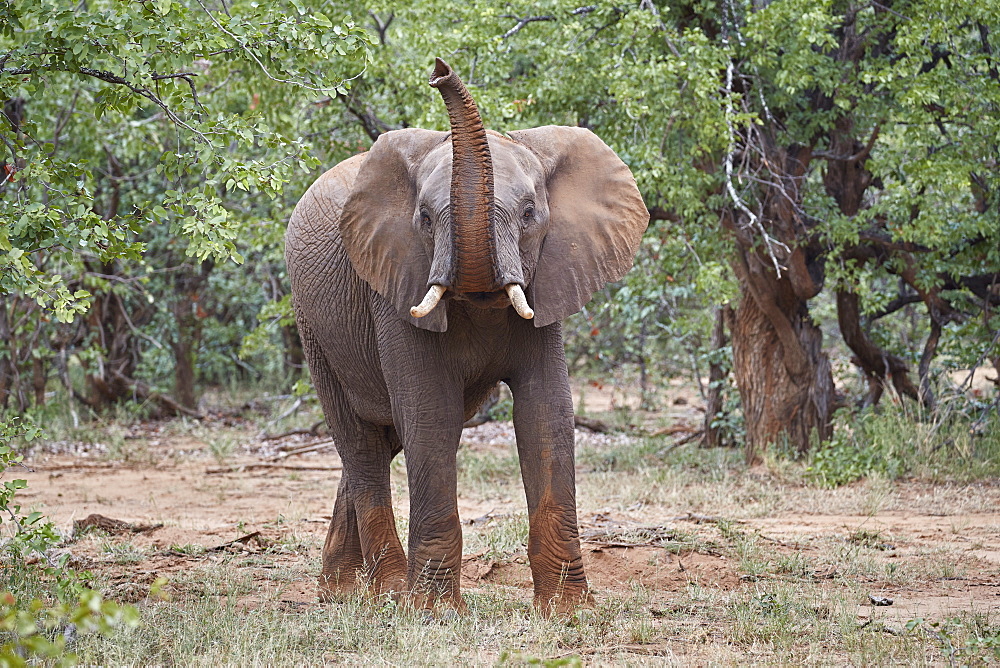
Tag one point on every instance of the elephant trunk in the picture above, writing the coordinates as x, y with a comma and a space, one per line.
471, 186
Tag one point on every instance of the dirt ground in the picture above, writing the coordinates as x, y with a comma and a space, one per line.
199, 489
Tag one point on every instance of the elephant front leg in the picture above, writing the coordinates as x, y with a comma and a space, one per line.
435, 538
543, 424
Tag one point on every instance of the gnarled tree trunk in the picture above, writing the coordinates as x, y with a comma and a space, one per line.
783, 375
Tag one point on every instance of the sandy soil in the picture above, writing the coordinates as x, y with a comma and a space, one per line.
202, 506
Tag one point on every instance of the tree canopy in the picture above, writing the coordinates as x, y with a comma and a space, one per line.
811, 168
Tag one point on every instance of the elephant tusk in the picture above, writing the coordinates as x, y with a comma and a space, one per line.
431, 300
518, 301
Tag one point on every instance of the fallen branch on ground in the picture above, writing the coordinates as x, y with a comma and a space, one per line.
590, 423
80, 466
269, 465
313, 447
111, 526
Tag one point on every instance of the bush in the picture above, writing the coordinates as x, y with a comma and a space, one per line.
43, 605
950, 443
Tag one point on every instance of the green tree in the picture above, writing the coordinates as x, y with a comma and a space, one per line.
782, 148
142, 142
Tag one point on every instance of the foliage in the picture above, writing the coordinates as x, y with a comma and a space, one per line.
707, 104
981, 642
34, 627
176, 159
144, 142
20, 534
38, 631
948, 444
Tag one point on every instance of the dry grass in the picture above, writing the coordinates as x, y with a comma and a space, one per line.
726, 565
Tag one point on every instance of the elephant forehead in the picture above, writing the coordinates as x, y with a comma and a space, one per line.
517, 172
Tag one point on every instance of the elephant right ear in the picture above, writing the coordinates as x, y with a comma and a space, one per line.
377, 224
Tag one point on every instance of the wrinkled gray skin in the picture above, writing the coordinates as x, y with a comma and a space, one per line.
362, 247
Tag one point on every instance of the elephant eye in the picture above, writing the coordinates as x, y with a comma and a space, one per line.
425, 219
529, 213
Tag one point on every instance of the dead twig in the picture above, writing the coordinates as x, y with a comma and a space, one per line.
291, 409
314, 447
311, 431
269, 465
696, 518
255, 536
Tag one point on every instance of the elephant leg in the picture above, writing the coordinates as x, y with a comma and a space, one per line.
543, 425
435, 536
363, 526
343, 561
362, 535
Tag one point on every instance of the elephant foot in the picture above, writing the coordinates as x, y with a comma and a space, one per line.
565, 604
445, 608
338, 585
386, 574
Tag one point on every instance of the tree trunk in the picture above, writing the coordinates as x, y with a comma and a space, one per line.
716, 376
294, 356
184, 347
785, 382
188, 315
39, 373
783, 375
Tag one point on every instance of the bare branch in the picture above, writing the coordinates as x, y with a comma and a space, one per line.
770, 243
373, 125
382, 27
523, 22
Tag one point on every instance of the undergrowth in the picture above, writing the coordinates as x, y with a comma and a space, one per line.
905, 441
43, 604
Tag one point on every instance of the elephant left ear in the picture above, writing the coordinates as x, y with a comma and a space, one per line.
596, 219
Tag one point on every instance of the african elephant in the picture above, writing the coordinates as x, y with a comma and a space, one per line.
423, 272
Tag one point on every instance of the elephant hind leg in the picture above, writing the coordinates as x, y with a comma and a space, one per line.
362, 537
343, 562
373, 564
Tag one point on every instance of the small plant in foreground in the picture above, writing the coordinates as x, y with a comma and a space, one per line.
38, 625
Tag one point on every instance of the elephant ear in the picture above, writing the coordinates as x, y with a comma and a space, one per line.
377, 224
596, 219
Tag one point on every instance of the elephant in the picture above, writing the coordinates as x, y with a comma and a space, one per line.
425, 271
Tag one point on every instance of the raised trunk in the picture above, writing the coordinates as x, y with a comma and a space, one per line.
471, 186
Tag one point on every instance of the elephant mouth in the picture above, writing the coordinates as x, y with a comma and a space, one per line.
495, 299
511, 295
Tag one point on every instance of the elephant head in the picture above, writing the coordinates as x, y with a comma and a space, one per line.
476, 216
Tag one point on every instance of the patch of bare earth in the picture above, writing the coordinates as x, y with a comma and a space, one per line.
681, 555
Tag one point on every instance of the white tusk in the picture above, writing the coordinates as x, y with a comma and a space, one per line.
431, 300
518, 301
